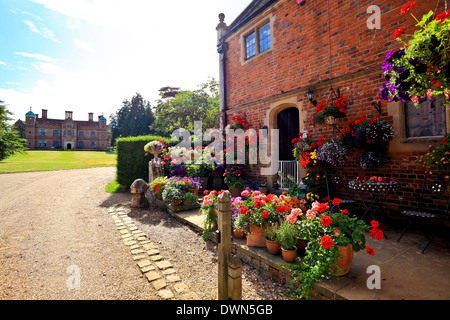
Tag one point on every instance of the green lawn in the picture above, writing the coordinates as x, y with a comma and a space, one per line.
57, 160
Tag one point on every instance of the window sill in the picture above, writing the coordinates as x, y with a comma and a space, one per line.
430, 139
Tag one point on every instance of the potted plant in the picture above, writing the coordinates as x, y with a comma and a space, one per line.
421, 68
173, 196
154, 147
287, 237
333, 238
158, 185
272, 244
262, 186
437, 158
189, 198
234, 178
330, 114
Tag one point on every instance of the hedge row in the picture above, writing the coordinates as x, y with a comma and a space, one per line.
132, 163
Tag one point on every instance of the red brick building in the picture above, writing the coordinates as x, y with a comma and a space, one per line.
68, 134
276, 51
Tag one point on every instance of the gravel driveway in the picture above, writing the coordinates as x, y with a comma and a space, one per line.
55, 228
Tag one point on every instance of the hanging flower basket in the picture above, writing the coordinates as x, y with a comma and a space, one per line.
330, 120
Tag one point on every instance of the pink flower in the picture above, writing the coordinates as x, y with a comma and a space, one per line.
296, 211
311, 214
291, 218
245, 193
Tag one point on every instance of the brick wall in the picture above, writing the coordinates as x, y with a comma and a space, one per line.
323, 44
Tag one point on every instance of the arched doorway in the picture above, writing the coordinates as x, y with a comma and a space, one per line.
69, 146
288, 125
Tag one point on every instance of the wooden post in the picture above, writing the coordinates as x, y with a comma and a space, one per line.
235, 278
224, 245
230, 268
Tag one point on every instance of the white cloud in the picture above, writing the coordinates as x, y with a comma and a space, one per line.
31, 25
36, 56
2, 63
83, 45
48, 68
45, 32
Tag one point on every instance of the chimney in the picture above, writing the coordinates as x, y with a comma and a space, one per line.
44, 114
69, 115
91, 116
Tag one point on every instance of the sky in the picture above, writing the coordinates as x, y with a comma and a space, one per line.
89, 55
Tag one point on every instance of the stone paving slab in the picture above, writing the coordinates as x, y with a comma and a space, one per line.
159, 272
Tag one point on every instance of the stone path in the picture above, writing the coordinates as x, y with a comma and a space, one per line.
159, 272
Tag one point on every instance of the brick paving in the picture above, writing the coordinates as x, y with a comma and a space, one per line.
159, 272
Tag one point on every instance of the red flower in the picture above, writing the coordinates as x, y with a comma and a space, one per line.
374, 224
326, 242
337, 232
443, 16
444, 141
244, 209
280, 209
370, 251
336, 201
407, 7
376, 234
326, 221
264, 214
320, 107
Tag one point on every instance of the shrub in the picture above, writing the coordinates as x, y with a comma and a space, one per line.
132, 163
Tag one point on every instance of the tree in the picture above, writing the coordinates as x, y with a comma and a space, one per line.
134, 118
180, 108
10, 141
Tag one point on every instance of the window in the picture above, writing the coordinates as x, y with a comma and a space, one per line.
250, 45
81, 133
257, 39
427, 120
69, 133
81, 144
264, 37
93, 134
93, 144
42, 143
42, 132
69, 126
55, 143
55, 133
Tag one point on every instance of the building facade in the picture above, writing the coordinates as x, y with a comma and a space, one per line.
68, 134
276, 51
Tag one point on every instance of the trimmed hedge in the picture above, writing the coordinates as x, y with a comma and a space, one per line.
132, 163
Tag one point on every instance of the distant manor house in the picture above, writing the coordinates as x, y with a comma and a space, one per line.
67, 134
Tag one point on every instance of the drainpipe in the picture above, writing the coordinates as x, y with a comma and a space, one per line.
222, 48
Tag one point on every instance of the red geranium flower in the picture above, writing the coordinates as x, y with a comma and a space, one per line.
444, 141
443, 16
399, 32
326, 242
336, 201
344, 212
326, 221
244, 209
376, 234
374, 224
407, 7
370, 251
264, 214
280, 209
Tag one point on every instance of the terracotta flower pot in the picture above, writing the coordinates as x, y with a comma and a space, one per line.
177, 203
194, 191
273, 246
344, 262
256, 237
289, 255
238, 233
235, 192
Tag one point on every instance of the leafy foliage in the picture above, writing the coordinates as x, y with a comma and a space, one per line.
10, 141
